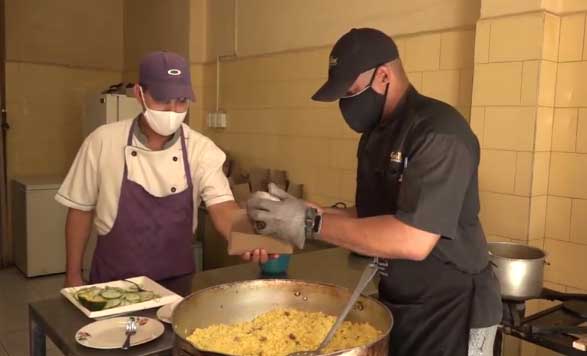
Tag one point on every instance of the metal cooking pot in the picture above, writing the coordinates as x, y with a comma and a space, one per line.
519, 269
242, 301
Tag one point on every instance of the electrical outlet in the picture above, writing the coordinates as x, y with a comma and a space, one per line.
221, 119
211, 119
217, 119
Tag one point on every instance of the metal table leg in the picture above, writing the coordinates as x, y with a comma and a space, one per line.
37, 346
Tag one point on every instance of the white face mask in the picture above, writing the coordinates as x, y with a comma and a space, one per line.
165, 123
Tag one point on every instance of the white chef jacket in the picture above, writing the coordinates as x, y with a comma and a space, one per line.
95, 177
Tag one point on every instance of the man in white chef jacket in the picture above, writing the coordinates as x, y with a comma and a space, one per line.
141, 182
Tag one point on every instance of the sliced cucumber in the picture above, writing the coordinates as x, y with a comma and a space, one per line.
132, 297
110, 293
95, 298
112, 303
86, 291
124, 302
146, 296
93, 303
117, 289
135, 286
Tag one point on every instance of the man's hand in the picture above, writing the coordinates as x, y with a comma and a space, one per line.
72, 280
258, 256
284, 219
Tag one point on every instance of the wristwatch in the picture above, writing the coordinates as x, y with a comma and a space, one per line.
312, 222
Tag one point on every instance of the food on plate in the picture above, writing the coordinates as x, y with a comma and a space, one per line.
101, 298
281, 332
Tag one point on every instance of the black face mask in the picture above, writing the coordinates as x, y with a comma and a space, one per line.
363, 111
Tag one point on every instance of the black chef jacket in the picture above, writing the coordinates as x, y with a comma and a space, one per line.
420, 165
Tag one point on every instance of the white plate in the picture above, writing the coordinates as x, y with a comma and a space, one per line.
166, 312
110, 333
165, 297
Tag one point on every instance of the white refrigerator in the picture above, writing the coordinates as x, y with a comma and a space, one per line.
107, 108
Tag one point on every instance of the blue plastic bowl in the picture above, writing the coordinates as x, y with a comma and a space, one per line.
276, 266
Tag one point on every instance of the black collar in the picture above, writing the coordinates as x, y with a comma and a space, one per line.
401, 107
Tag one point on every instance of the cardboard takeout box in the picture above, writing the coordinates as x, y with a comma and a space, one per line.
243, 238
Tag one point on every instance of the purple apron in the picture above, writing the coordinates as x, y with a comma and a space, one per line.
151, 236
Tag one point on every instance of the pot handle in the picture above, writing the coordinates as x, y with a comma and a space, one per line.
546, 263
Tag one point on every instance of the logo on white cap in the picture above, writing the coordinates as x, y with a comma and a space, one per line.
174, 72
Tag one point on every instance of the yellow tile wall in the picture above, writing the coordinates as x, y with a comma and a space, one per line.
489, 88
492, 8
558, 218
524, 173
571, 38
66, 32
50, 68
529, 112
537, 220
422, 53
578, 225
571, 89
566, 225
440, 65
544, 122
582, 131
505, 215
512, 114
45, 106
530, 102
541, 167
197, 115
506, 48
267, 26
168, 29
564, 130
509, 128
568, 174
273, 123
498, 180
567, 261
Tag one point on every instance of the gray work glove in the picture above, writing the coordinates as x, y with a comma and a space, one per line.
283, 219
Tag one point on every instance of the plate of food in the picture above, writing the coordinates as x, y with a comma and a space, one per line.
119, 297
111, 333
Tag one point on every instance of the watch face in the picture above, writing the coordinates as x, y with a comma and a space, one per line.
310, 222
317, 223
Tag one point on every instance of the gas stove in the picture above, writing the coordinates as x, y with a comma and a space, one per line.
551, 328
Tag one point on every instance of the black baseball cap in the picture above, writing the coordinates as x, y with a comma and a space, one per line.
166, 75
357, 51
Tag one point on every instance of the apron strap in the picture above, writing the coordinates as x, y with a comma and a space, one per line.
129, 143
184, 153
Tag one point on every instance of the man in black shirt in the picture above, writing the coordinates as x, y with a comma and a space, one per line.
417, 204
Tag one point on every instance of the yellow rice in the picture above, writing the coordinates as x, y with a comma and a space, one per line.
281, 332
